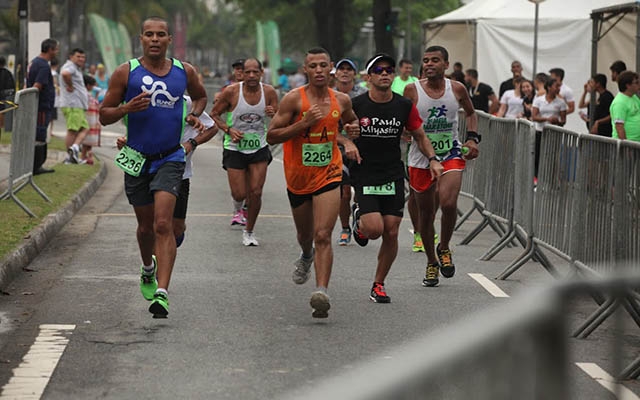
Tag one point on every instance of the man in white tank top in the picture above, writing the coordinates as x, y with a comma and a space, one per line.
438, 100
246, 154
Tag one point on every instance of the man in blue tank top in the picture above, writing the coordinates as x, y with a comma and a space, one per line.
147, 92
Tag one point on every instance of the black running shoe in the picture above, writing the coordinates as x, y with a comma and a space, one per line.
378, 295
357, 236
447, 268
431, 276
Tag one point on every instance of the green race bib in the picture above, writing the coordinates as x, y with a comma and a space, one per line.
441, 142
317, 154
249, 141
382, 190
130, 161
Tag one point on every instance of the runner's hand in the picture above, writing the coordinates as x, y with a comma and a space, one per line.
121, 142
353, 130
139, 103
270, 111
195, 123
313, 115
473, 150
352, 152
436, 169
236, 135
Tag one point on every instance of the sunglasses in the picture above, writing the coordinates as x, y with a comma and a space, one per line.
378, 70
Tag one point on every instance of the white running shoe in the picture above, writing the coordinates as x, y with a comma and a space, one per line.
249, 239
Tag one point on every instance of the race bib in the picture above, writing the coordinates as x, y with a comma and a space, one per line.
130, 161
442, 142
317, 154
249, 141
382, 190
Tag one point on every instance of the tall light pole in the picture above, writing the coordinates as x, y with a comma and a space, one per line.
535, 37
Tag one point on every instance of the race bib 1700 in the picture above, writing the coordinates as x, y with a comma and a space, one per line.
317, 154
130, 161
249, 141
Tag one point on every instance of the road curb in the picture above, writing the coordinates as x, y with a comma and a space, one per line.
41, 235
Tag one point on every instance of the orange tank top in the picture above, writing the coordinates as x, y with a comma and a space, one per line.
312, 159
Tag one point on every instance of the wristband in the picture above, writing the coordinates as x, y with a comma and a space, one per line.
474, 136
194, 114
193, 142
434, 158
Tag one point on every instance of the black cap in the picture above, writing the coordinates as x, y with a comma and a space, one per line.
238, 63
380, 57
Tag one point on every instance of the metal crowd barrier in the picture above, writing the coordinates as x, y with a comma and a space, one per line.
23, 147
516, 351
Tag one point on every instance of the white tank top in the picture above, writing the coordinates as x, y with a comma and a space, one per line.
440, 123
250, 120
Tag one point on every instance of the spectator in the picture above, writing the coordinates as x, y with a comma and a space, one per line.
7, 87
602, 119
457, 66
39, 76
93, 118
565, 91
528, 94
516, 71
404, 77
55, 65
458, 76
547, 109
266, 75
74, 101
511, 104
481, 93
102, 82
625, 108
616, 69
539, 82
283, 82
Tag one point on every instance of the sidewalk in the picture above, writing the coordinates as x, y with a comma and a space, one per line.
51, 224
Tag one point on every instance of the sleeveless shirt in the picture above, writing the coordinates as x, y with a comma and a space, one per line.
250, 120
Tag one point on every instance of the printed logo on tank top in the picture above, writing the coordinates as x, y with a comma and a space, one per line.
380, 127
250, 118
437, 120
158, 88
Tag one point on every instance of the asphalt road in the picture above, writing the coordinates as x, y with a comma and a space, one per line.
238, 327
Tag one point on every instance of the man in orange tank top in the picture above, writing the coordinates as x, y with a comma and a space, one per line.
307, 126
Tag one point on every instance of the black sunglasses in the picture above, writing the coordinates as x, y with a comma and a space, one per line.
378, 70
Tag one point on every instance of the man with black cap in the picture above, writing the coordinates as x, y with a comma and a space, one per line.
379, 178
345, 73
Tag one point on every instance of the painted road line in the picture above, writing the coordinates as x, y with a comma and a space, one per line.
31, 377
488, 285
607, 381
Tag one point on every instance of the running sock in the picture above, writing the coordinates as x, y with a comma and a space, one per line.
321, 289
148, 269
305, 257
163, 291
237, 205
75, 147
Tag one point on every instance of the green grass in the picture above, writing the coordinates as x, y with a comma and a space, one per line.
55, 144
59, 186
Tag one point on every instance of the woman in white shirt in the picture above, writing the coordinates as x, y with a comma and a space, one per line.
547, 109
511, 101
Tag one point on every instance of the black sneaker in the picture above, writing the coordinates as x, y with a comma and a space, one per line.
447, 268
378, 295
431, 276
357, 236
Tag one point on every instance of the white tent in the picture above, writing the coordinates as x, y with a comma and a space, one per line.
490, 34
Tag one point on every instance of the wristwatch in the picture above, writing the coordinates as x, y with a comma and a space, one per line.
194, 114
434, 158
194, 144
474, 136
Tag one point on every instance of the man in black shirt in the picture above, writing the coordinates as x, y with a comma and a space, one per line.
602, 117
481, 94
379, 178
516, 70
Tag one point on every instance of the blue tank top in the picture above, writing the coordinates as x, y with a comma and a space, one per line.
159, 128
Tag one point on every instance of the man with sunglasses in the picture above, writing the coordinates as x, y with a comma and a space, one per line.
438, 100
379, 178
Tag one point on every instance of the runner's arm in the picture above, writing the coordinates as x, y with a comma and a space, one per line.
281, 128
271, 100
221, 105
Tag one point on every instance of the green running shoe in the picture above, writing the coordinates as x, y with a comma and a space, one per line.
159, 306
418, 246
149, 283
